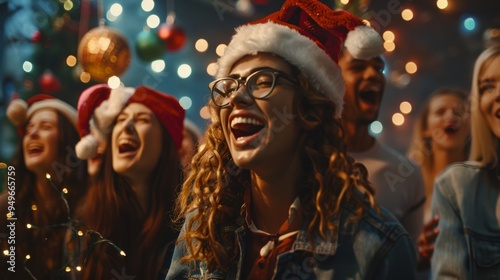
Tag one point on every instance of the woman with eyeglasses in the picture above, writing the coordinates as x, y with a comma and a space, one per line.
467, 195
273, 194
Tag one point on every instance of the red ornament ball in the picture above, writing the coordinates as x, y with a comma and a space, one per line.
173, 36
49, 83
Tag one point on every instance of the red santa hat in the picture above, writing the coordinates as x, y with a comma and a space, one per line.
19, 111
89, 100
309, 35
165, 107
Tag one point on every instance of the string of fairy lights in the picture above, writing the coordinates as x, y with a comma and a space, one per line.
72, 226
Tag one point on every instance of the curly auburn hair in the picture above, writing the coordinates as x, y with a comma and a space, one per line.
212, 194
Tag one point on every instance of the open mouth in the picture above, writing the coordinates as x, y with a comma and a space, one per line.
451, 129
370, 95
244, 127
497, 114
127, 146
35, 149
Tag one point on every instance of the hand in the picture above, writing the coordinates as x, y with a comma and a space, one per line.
426, 242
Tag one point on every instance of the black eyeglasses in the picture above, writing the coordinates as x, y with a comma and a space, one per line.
259, 84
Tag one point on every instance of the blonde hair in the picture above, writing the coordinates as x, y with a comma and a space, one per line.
420, 150
214, 187
484, 147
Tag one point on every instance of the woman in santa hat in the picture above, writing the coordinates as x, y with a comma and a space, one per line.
48, 179
126, 218
273, 193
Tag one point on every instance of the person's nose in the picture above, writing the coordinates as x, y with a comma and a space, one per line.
241, 97
33, 132
128, 126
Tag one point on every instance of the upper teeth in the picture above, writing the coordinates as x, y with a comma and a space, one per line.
238, 120
127, 142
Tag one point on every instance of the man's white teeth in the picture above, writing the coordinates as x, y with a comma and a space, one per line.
239, 120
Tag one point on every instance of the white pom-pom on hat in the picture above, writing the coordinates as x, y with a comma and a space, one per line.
17, 112
87, 147
106, 113
364, 43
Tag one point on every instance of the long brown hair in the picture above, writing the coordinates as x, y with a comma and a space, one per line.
112, 209
44, 241
214, 185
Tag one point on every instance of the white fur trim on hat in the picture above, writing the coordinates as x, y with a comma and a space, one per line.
364, 43
106, 113
17, 112
87, 147
58, 105
300, 51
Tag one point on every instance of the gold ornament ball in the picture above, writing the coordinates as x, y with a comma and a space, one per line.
103, 52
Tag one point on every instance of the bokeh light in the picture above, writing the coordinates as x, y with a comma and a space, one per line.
376, 127
201, 45
158, 65
184, 71
27, 66
114, 82
398, 119
147, 5
442, 4
407, 14
389, 46
153, 21
405, 107
212, 69
388, 36
186, 102
411, 67
220, 49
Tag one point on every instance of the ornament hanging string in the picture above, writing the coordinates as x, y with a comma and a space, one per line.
170, 12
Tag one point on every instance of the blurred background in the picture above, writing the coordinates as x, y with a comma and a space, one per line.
61, 47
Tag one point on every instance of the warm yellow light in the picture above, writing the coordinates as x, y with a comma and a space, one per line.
201, 45
47, 175
28, 225
28, 257
212, 69
411, 67
71, 60
205, 113
65, 190
442, 4
9, 215
68, 269
407, 14
405, 107
79, 268
398, 119
220, 49
389, 46
122, 253
85, 77
345, 2
388, 36
33, 207
6, 252
80, 233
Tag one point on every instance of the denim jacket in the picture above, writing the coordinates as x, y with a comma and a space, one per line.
467, 199
375, 247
